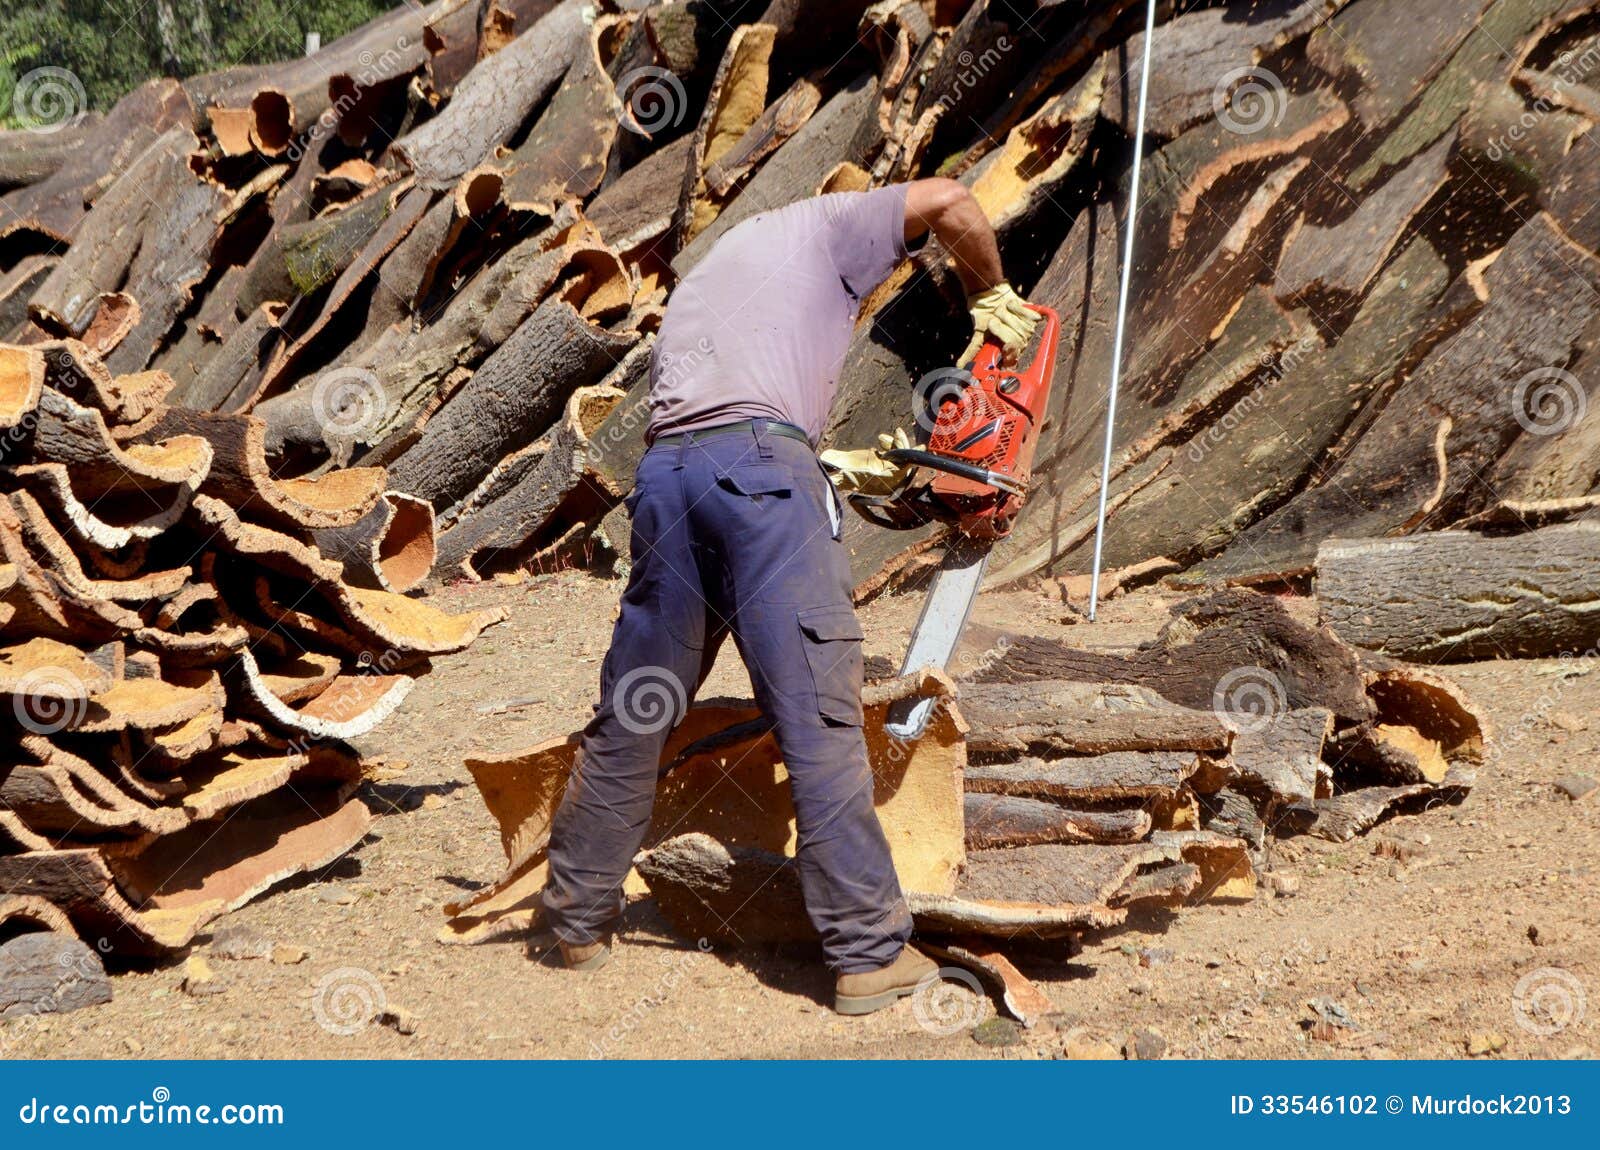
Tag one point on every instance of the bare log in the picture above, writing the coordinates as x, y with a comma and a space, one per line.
1083, 718
49, 973
1448, 596
1008, 821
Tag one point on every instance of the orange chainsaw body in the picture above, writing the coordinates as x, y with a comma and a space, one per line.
993, 425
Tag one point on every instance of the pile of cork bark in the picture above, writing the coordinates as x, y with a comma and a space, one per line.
1365, 294
186, 644
1366, 301
1056, 791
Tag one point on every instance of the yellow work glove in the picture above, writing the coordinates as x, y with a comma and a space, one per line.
1002, 313
865, 470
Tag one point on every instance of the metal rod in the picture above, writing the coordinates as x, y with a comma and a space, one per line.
1122, 308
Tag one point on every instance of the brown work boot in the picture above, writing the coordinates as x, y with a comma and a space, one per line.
587, 956
870, 990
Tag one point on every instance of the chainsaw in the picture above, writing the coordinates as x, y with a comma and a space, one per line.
973, 473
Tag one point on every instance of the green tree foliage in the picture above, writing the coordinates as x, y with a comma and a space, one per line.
111, 46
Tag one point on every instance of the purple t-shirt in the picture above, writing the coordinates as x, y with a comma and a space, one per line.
760, 327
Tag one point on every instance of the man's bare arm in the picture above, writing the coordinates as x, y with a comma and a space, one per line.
952, 213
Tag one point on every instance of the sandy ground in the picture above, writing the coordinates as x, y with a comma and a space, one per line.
1422, 957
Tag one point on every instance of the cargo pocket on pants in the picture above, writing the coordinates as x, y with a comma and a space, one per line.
832, 637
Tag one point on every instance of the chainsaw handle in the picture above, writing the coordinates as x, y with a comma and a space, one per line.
915, 457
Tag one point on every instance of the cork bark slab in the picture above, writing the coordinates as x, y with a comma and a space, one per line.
49, 973
55, 206
1207, 639
344, 707
1190, 54
558, 480
76, 436
392, 547
565, 154
523, 385
1119, 776
242, 476
999, 820
917, 796
22, 372
287, 98
494, 98
382, 617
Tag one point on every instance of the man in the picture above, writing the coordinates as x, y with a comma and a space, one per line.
736, 532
